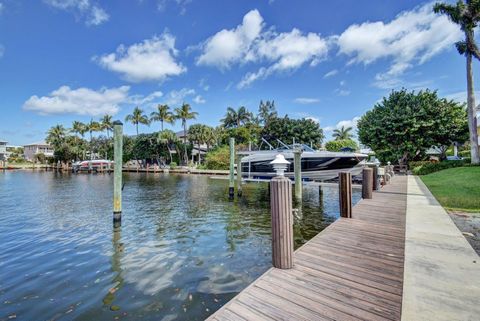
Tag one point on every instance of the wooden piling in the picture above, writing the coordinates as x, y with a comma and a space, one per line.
297, 167
345, 194
239, 175
117, 181
367, 183
282, 222
375, 178
231, 185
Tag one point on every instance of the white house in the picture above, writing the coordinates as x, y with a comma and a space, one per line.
31, 150
3, 150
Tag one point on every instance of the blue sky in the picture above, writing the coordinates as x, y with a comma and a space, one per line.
329, 60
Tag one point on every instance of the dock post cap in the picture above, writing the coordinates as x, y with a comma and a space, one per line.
280, 164
117, 122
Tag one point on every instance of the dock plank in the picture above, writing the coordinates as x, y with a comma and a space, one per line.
352, 270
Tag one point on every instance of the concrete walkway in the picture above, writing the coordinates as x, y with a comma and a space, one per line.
442, 271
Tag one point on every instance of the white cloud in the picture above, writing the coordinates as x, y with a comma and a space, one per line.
81, 101
199, 100
182, 5
151, 60
177, 97
306, 101
142, 100
85, 9
331, 73
230, 46
413, 37
249, 42
314, 119
342, 92
461, 96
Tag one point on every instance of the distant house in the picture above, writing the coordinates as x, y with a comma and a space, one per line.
181, 135
31, 150
3, 150
11, 149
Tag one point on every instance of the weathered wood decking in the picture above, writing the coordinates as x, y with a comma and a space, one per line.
353, 270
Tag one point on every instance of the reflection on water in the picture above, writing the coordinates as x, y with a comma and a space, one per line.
183, 249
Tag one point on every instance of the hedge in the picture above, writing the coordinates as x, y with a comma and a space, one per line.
428, 168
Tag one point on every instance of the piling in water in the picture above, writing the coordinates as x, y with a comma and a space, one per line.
345, 194
231, 185
282, 222
117, 180
239, 175
297, 167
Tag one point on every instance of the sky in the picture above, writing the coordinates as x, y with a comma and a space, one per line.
331, 61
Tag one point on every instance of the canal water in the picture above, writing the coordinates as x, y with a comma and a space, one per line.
182, 252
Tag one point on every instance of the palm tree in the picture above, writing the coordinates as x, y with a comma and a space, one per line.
342, 133
235, 118
78, 128
162, 115
266, 111
168, 138
92, 127
56, 135
106, 124
137, 117
185, 113
467, 16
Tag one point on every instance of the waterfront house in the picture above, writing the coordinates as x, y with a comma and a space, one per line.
31, 150
181, 135
3, 150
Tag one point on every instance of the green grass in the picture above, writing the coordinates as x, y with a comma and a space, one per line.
456, 188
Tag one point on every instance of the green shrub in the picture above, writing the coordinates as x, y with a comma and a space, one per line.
435, 167
218, 158
337, 145
414, 164
173, 165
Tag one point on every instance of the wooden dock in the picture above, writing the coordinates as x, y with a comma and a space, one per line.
352, 270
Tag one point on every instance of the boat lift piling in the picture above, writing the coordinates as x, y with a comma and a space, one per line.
297, 168
231, 185
117, 180
239, 175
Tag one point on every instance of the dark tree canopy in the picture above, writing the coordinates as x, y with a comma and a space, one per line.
405, 124
304, 131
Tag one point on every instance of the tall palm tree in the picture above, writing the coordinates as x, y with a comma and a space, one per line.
235, 118
137, 117
162, 114
92, 127
467, 16
78, 128
185, 113
342, 133
267, 111
56, 135
106, 124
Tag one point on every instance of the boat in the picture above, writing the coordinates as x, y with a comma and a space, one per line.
94, 164
316, 165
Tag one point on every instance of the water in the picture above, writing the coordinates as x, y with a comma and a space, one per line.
183, 249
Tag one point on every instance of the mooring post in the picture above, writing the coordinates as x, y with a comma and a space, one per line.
345, 194
367, 183
117, 170
375, 178
231, 185
297, 168
239, 175
282, 216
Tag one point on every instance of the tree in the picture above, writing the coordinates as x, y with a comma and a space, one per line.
405, 124
56, 135
106, 124
170, 139
338, 144
137, 117
79, 128
195, 135
467, 16
235, 118
267, 111
92, 127
162, 114
185, 113
342, 133
303, 131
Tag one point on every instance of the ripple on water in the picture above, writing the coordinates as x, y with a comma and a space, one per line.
183, 249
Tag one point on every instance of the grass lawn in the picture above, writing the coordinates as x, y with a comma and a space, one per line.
456, 188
